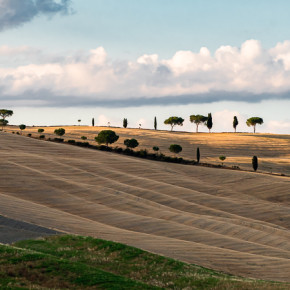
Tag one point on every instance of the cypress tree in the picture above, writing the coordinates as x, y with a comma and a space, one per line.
125, 123
235, 123
93, 122
197, 154
209, 122
255, 163
155, 123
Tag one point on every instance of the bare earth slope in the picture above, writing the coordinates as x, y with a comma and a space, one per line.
273, 150
232, 221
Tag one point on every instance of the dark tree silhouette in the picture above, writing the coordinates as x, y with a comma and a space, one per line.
131, 143
4, 113
175, 148
106, 137
255, 163
125, 123
235, 123
197, 154
209, 123
59, 132
22, 127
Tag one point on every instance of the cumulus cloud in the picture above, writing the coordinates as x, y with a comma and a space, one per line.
278, 126
14, 13
249, 73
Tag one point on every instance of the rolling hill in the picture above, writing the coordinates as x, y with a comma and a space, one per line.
232, 221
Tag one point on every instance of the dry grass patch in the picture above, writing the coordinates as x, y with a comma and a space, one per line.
271, 149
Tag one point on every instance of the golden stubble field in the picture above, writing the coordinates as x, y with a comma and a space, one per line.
273, 150
228, 220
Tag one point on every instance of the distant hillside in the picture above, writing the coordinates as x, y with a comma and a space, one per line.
231, 221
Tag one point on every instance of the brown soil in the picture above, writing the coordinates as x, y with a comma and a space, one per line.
273, 150
233, 221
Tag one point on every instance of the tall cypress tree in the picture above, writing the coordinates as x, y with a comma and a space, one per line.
155, 123
209, 122
197, 154
125, 123
235, 123
93, 122
255, 163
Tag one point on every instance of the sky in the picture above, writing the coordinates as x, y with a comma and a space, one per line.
65, 60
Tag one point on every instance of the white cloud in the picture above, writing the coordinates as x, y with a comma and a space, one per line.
278, 126
249, 73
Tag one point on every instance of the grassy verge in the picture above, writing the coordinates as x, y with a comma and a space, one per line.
76, 262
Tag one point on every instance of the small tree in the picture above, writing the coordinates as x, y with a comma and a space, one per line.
40, 130
79, 121
155, 123
3, 123
84, 138
198, 119
22, 127
175, 148
254, 121
197, 154
93, 122
125, 123
173, 121
209, 123
59, 132
235, 123
222, 159
4, 113
155, 148
255, 163
107, 137
131, 143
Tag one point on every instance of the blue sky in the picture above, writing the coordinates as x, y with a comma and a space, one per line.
109, 59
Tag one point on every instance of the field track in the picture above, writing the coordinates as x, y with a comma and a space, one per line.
237, 222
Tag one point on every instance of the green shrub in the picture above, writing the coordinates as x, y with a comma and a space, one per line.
59, 131
106, 137
40, 130
222, 158
129, 151
143, 153
22, 127
175, 148
41, 136
58, 140
155, 148
118, 149
131, 143
84, 138
71, 141
29, 135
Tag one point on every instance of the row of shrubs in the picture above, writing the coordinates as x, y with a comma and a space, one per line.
108, 136
143, 153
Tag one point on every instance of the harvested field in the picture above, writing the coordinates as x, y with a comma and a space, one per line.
233, 221
272, 150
